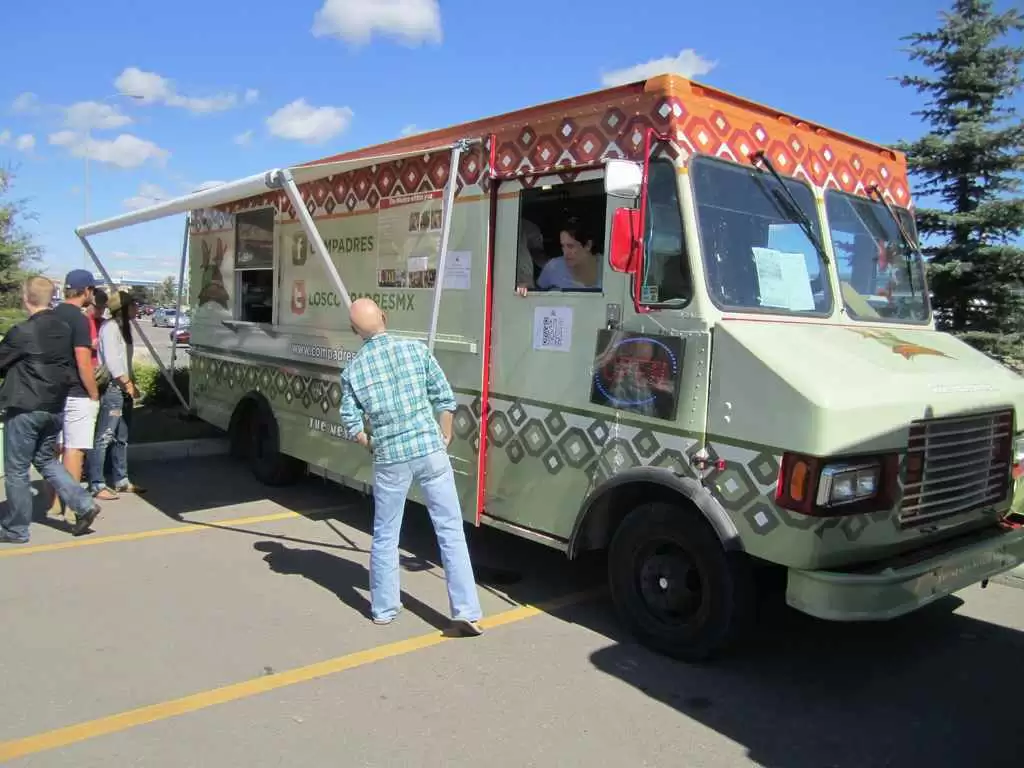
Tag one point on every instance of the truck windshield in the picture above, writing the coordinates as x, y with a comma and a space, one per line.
881, 277
756, 254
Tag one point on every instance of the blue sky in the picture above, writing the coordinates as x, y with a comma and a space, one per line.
235, 88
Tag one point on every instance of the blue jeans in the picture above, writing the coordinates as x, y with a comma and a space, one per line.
112, 426
391, 483
30, 437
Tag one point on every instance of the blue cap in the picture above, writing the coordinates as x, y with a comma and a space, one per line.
79, 280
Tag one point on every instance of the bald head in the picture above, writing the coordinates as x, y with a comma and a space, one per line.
366, 317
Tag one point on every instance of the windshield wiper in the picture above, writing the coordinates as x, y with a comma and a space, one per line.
903, 233
796, 211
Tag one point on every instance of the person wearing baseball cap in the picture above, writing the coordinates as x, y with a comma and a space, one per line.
83, 402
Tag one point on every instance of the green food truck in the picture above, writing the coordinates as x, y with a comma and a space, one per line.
683, 328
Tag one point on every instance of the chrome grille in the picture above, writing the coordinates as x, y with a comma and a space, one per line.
956, 465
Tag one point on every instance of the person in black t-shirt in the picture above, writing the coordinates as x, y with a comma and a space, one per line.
37, 365
83, 402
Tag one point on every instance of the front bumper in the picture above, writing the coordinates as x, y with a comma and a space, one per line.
904, 584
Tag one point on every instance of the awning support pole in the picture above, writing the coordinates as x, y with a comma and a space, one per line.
446, 227
135, 322
285, 180
181, 286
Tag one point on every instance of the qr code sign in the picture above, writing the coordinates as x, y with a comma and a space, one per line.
553, 333
552, 328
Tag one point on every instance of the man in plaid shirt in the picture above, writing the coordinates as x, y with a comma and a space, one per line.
398, 386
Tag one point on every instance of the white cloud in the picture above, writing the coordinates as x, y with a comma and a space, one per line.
300, 121
126, 151
243, 139
26, 104
151, 88
25, 142
5, 136
688, 63
94, 115
147, 195
356, 21
410, 130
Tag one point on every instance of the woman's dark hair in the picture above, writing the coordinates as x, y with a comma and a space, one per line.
578, 231
124, 320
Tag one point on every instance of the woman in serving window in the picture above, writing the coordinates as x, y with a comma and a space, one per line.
579, 266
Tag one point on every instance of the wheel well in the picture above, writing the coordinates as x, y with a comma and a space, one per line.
603, 516
243, 413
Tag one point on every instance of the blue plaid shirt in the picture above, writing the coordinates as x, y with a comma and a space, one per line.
399, 386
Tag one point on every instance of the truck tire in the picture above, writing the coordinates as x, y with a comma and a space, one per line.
674, 585
268, 464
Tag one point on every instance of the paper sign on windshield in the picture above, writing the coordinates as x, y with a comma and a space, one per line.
784, 280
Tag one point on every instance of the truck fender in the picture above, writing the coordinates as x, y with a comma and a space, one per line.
661, 482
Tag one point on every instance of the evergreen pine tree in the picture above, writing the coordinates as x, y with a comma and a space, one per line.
970, 163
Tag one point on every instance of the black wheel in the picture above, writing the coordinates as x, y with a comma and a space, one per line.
268, 464
675, 586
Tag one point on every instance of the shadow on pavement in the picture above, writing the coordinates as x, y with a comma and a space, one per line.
339, 576
933, 689
179, 487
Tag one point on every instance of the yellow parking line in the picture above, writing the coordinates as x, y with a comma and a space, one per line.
16, 551
72, 734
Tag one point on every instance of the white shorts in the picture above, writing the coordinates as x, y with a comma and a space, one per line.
80, 415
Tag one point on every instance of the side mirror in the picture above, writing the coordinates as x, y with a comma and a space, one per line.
623, 178
624, 253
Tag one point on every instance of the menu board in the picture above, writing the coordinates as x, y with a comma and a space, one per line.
637, 372
409, 240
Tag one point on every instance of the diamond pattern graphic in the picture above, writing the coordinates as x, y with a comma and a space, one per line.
546, 153
589, 147
517, 415
764, 468
733, 486
742, 145
579, 135
646, 444
535, 437
499, 431
720, 124
618, 456
515, 452
509, 158
761, 518
701, 135
587, 448
553, 462
463, 422
613, 122
599, 432
555, 423
576, 448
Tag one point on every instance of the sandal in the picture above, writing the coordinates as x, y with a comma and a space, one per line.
130, 487
105, 494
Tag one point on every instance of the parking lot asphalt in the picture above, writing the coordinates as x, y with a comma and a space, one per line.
217, 622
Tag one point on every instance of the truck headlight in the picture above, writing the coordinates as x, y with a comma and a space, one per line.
848, 483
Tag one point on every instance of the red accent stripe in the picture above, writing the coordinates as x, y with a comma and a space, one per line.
485, 378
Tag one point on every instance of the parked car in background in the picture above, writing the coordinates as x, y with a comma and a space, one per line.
181, 333
164, 318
